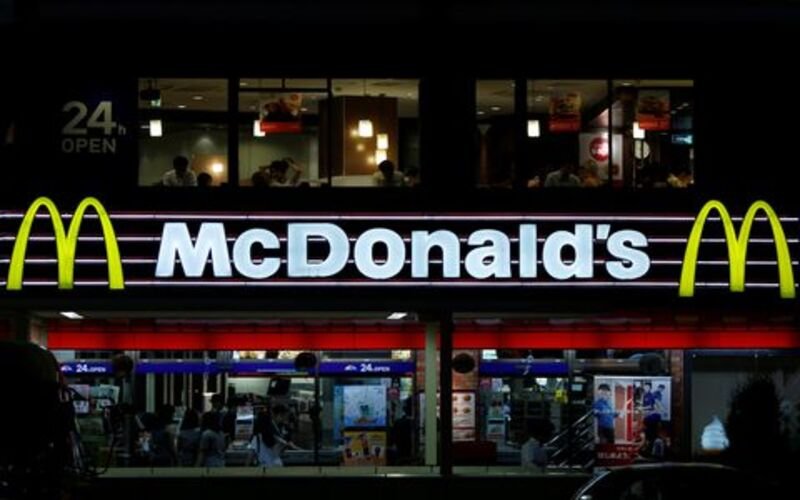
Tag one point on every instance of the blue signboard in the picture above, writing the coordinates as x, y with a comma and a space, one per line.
523, 367
97, 367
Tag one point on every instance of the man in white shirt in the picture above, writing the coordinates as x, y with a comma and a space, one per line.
180, 175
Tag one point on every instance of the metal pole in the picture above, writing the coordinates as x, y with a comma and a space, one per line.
431, 362
446, 391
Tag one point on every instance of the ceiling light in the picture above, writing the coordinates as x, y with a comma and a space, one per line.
181, 106
383, 141
638, 133
197, 98
156, 129
365, 128
397, 315
495, 108
481, 113
533, 128
217, 167
257, 132
71, 315
243, 84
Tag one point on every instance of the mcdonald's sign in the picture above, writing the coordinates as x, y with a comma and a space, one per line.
474, 251
737, 248
66, 244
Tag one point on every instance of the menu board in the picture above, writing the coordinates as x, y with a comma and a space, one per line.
364, 448
364, 406
464, 416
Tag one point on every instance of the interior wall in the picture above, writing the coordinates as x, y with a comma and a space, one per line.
156, 153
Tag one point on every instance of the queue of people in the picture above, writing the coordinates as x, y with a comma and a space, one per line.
203, 440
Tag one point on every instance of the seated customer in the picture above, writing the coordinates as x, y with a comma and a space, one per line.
180, 175
387, 175
563, 177
284, 173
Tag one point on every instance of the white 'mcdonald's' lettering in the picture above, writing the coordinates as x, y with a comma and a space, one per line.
323, 250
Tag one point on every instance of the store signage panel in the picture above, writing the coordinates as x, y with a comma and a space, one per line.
251, 367
119, 250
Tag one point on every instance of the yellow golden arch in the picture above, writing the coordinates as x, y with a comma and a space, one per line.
737, 248
66, 244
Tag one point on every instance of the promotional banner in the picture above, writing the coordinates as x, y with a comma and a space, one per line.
364, 448
364, 406
565, 112
281, 114
627, 410
652, 110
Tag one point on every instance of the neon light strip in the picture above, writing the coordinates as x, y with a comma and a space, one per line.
36, 260
139, 239
383, 217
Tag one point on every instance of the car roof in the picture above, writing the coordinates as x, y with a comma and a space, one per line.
670, 465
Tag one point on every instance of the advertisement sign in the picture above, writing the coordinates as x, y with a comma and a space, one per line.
565, 112
364, 405
652, 110
463, 410
364, 448
624, 408
281, 113
593, 156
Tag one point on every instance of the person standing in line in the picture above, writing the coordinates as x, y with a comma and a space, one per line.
189, 439
211, 452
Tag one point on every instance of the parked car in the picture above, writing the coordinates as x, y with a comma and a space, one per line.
675, 481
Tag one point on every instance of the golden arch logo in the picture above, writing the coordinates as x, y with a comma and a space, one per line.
66, 244
737, 248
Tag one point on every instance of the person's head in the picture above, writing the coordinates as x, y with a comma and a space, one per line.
652, 427
386, 167
565, 169
278, 170
216, 402
191, 420
180, 164
149, 421
661, 388
280, 413
648, 387
204, 180
165, 414
210, 422
259, 179
604, 391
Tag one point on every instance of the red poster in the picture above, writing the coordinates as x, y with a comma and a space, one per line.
565, 112
652, 110
281, 114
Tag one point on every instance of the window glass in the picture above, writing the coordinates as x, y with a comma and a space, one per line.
183, 132
280, 133
495, 120
567, 141
373, 134
655, 120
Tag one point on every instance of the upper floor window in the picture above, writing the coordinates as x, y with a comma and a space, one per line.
328, 132
183, 132
586, 133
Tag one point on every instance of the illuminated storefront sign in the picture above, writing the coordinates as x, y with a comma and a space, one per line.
406, 250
